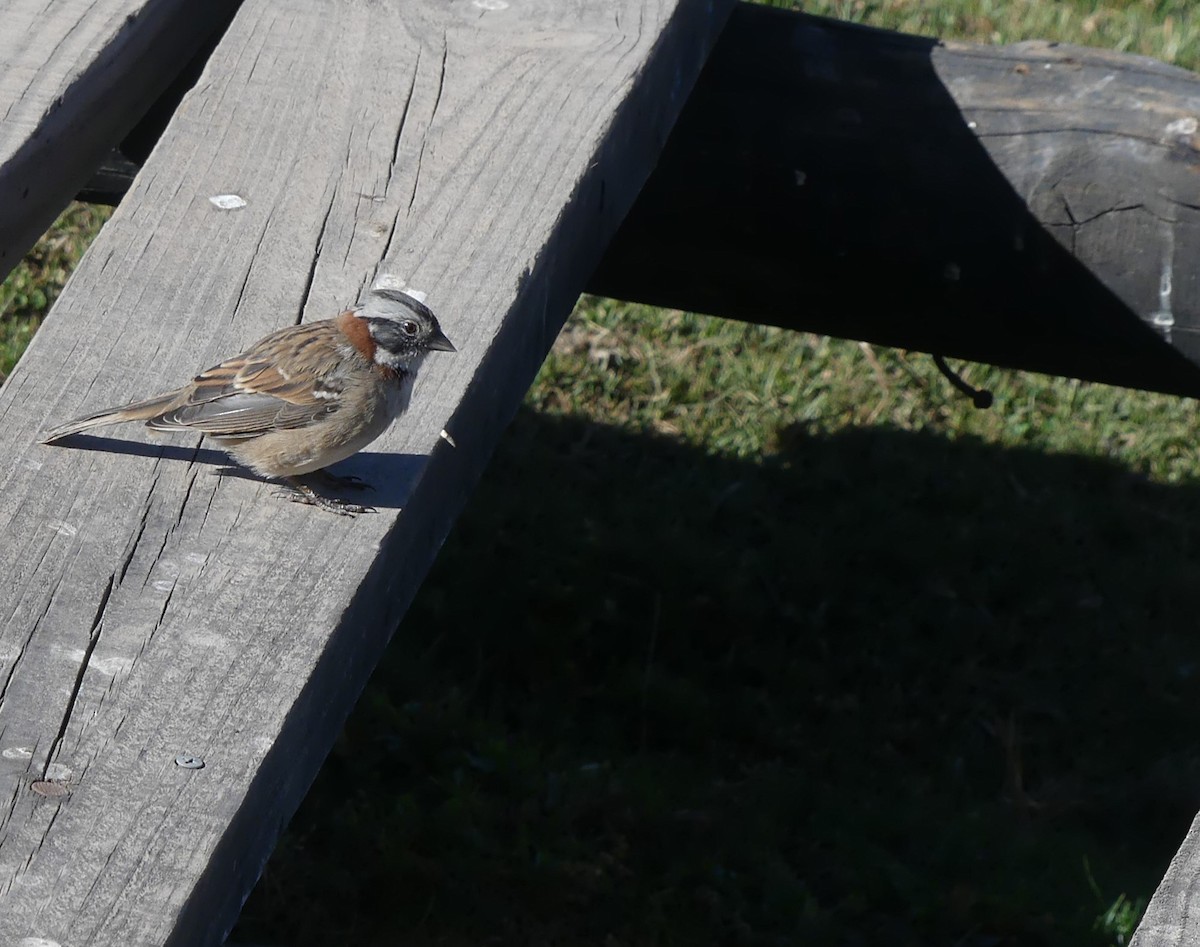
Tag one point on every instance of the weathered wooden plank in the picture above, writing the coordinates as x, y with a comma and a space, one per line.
485, 151
1171, 918
1034, 205
75, 75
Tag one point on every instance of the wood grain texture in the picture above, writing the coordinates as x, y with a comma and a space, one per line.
1172, 917
1034, 205
75, 75
485, 152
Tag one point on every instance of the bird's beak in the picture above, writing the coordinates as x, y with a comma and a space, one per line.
439, 343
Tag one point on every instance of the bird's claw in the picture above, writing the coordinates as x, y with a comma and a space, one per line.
303, 493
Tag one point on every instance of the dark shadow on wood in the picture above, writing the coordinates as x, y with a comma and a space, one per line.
390, 476
1028, 206
114, 177
117, 445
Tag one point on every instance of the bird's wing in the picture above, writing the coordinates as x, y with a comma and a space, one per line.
250, 394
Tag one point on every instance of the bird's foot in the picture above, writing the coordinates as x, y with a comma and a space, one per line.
300, 492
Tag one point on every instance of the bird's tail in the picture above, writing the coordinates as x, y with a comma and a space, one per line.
138, 411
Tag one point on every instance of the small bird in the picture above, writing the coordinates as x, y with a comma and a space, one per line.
303, 397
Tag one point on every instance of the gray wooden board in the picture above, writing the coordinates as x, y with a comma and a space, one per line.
1172, 918
484, 151
75, 75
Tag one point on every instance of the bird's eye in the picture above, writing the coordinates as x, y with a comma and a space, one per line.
409, 328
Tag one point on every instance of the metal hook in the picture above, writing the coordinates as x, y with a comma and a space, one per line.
980, 397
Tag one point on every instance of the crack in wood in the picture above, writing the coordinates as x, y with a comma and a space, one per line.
403, 120
93, 640
1069, 130
7, 814
1178, 203
50, 823
132, 547
1111, 210
237, 306
207, 510
49, 60
158, 622
187, 492
437, 98
28, 638
316, 258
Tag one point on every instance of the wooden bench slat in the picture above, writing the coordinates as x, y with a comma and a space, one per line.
485, 151
1170, 920
75, 75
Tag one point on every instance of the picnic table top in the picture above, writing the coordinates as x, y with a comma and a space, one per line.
478, 151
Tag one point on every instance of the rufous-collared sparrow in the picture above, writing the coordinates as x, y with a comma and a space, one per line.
303, 397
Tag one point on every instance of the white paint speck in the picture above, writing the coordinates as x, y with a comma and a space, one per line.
972, 125
801, 177
58, 772
37, 942
390, 281
112, 665
445, 436
227, 201
399, 284
1164, 318
205, 638
17, 753
1183, 126
491, 4
63, 529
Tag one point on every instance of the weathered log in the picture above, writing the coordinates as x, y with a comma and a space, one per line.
1034, 206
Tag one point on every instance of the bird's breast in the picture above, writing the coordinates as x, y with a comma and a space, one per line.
399, 394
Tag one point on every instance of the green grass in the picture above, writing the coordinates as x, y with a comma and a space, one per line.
754, 637
1165, 29
31, 288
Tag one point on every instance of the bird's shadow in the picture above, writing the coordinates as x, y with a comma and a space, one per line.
387, 480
